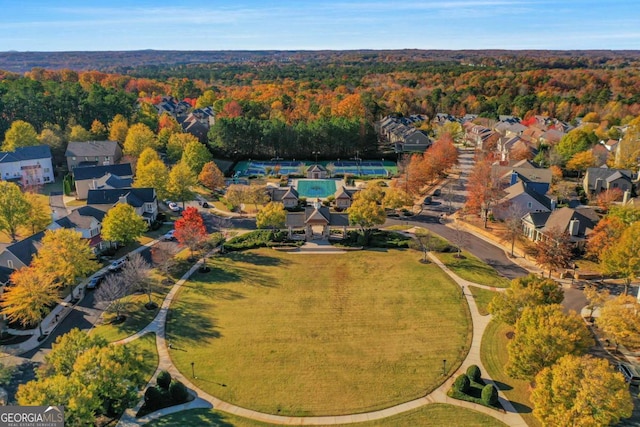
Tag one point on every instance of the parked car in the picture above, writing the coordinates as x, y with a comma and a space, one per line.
630, 374
95, 281
117, 264
174, 207
169, 235
428, 200
437, 192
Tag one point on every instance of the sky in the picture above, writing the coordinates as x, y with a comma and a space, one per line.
72, 25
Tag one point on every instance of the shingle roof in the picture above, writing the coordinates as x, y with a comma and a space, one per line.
81, 218
560, 219
593, 174
93, 172
519, 188
92, 149
26, 153
135, 197
25, 249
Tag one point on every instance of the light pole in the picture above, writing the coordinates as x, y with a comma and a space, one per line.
316, 154
193, 371
573, 276
444, 367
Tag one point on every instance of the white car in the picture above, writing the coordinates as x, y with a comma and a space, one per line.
117, 264
169, 235
174, 207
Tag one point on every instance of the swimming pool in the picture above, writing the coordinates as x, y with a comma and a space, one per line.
318, 188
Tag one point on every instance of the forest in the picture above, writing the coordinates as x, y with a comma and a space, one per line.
295, 103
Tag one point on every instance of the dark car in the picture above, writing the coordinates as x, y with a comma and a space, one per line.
428, 200
630, 374
437, 192
95, 281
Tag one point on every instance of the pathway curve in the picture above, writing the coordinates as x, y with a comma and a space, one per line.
204, 400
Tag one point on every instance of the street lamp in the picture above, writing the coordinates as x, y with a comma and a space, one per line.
316, 154
573, 276
444, 367
193, 371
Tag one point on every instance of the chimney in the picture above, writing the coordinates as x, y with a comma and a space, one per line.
574, 227
553, 204
625, 197
514, 177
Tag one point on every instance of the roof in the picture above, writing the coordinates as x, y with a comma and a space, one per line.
528, 174
114, 181
295, 219
277, 194
291, 193
560, 219
343, 193
25, 249
81, 218
26, 153
519, 188
135, 197
538, 219
92, 149
317, 215
606, 174
93, 172
316, 168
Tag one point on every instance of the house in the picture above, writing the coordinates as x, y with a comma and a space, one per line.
343, 198
577, 222
91, 153
551, 137
477, 135
597, 180
402, 133
506, 146
19, 254
316, 221
28, 165
316, 172
86, 220
101, 177
537, 179
143, 200
521, 200
288, 196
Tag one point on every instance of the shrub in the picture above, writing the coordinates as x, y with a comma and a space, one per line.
490, 395
153, 398
255, 239
164, 380
473, 372
462, 383
178, 392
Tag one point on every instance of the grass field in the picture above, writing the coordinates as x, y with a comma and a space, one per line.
471, 268
494, 358
318, 335
147, 345
436, 415
482, 297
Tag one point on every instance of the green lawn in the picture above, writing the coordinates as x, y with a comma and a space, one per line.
472, 269
435, 415
147, 345
494, 358
482, 297
319, 334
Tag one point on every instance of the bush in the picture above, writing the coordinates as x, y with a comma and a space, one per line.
164, 380
462, 383
473, 372
255, 239
490, 395
153, 398
178, 392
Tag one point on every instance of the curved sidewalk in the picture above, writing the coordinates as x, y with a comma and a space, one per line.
439, 395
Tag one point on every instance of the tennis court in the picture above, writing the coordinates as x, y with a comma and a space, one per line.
372, 168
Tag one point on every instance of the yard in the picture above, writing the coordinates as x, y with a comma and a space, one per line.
494, 358
296, 334
435, 415
472, 269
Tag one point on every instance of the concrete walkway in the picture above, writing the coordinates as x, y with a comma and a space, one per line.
204, 400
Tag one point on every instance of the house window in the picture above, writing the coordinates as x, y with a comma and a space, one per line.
73, 158
94, 232
615, 185
97, 159
149, 207
46, 170
9, 263
46, 179
529, 205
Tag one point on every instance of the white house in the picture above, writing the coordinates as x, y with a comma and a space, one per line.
28, 165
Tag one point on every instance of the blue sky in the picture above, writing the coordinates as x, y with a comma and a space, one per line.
54, 25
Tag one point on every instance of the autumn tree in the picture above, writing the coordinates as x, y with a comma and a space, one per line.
96, 379
395, 198
163, 256
14, 208
139, 137
65, 257
153, 175
580, 391
118, 129
114, 292
483, 188
606, 233
237, 194
181, 180
554, 250
177, 143
576, 141
606, 198
20, 134
122, 224
622, 259
595, 298
39, 214
136, 273
423, 241
628, 150
211, 176
196, 155
53, 138
543, 334
98, 131
30, 296
513, 224
582, 161
620, 318
147, 156
190, 229
272, 215
366, 211
453, 129
523, 292
78, 134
